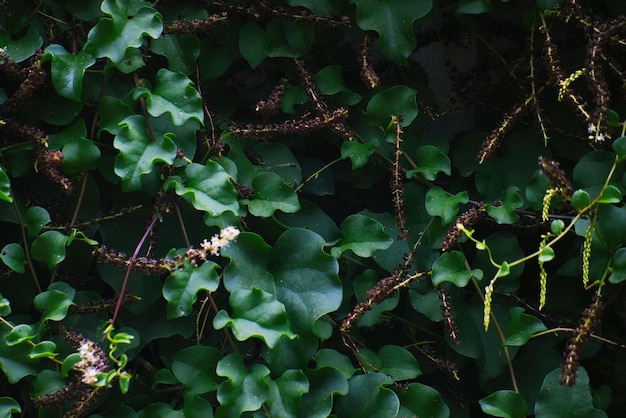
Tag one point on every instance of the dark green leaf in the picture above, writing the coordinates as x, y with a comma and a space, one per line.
619, 147
505, 213
421, 400
362, 235
196, 406
522, 327
195, 367
473, 6
611, 226
286, 393
23, 48
393, 20
19, 334
504, 403
12, 255
358, 153
580, 200
244, 390
451, 267
49, 248
324, 384
430, 162
54, 302
68, 70
398, 363
255, 314
14, 360
79, 153
618, 272
561, 401
44, 349
333, 359
439, 203
397, 100
182, 286
181, 51
5, 186
253, 41
368, 397
36, 218
362, 284
8, 406
271, 193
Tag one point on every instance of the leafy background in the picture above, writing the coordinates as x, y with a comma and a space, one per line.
429, 196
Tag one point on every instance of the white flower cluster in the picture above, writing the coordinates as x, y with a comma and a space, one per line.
216, 242
594, 134
91, 362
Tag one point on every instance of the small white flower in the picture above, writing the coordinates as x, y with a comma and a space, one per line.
229, 233
591, 128
90, 375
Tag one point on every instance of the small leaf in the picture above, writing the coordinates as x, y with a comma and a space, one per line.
253, 41
473, 6
181, 51
36, 218
49, 248
195, 367
9, 406
619, 147
362, 235
174, 94
398, 363
505, 213
271, 193
5, 306
610, 194
393, 20
324, 384
420, 400
556, 226
430, 162
547, 254
5, 186
19, 334
23, 48
286, 393
504, 269
68, 70
69, 362
123, 29
358, 153
79, 153
522, 327
451, 267
54, 302
255, 314
182, 286
504, 403
244, 390
397, 100
138, 153
362, 284
580, 200
618, 267
368, 397
44, 349
439, 203
13, 256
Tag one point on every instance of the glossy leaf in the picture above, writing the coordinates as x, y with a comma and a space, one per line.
195, 367
14, 360
504, 403
244, 390
286, 392
580, 200
522, 327
560, 401
271, 193
54, 302
44, 349
324, 384
5, 186
19, 334
358, 153
79, 153
182, 286
451, 267
207, 187
124, 28
430, 162
505, 213
610, 194
49, 248
23, 48
393, 361
618, 272
181, 51
362, 284
439, 203
12, 255
36, 219
253, 41
68, 70
420, 400
255, 314
362, 235
174, 94
393, 20
619, 147
138, 153
368, 397
397, 100
9, 406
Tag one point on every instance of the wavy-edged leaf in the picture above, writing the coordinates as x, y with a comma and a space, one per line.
79, 153
394, 101
68, 70
244, 390
420, 400
195, 367
55, 302
21, 49
256, 313
285, 398
182, 286
271, 193
504, 403
368, 397
451, 267
362, 235
181, 51
9, 406
174, 94
439, 203
138, 154
521, 327
324, 384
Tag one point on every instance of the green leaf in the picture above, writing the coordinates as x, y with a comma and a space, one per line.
618, 267
610, 194
12, 255
286, 393
8, 406
19, 334
505, 213
195, 367
182, 286
504, 403
14, 360
181, 51
249, 264
255, 314
561, 401
619, 147
362, 235
330, 82
368, 397
253, 40
580, 200
439, 203
174, 94
398, 363
557, 226
451, 267
430, 162
288, 39
358, 153
5, 186
611, 226
207, 187
547, 254
69, 362
49, 248
36, 218
112, 111
112, 36
271, 193
324, 383
244, 390
196, 406
473, 6
138, 153
79, 153
335, 360
54, 302
5, 306
393, 20
394, 101
44, 349
23, 48
68, 70
420, 400
522, 327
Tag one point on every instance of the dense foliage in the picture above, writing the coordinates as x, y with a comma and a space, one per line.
311, 208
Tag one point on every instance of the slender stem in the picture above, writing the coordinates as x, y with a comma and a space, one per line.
29, 260
317, 173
